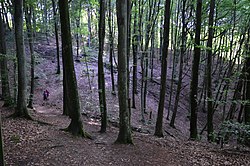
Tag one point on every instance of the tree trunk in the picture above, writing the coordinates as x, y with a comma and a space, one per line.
135, 52
89, 26
78, 8
34, 24
151, 16
128, 51
174, 53
21, 109
209, 74
237, 95
111, 46
57, 40
195, 73
28, 14
158, 127
247, 71
76, 126
152, 54
247, 95
161, 36
231, 59
65, 96
239, 84
4, 69
1, 144
101, 78
183, 50
124, 135
45, 20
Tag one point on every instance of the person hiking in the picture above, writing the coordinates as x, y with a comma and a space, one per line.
45, 95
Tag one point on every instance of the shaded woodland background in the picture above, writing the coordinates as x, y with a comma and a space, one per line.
178, 70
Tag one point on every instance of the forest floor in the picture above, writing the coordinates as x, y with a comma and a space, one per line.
41, 142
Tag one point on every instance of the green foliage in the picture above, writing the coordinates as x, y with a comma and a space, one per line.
235, 130
15, 138
30, 3
11, 57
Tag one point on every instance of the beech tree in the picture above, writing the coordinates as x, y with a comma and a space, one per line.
247, 70
182, 53
101, 79
195, 73
209, 74
111, 43
21, 109
1, 144
4, 69
56, 35
124, 136
247, 67
28, 16
5, 83
75, 127
158, 127
135, 52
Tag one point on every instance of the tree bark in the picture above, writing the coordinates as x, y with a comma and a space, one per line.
183, 50
45, 20
21, 109
135, 52
4, 69
209, 73
101, 78
57, 40
89, 26
174, 53
247, 71
158, 127
28, 14
111, 46
1, 144
76, 126
124, 135
195, 73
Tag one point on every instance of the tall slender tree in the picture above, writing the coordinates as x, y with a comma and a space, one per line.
56, 33
28, 15
101, 78
21, 109
89, 24
124, 136
247, 67
158, 127
195, 73
209, 74
65, 96
45, 19
111, 44
183, 50
4, 69
1, 144
247, 71
76, 126
135, 52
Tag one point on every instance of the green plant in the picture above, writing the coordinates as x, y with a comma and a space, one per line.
15, 138
234, 130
